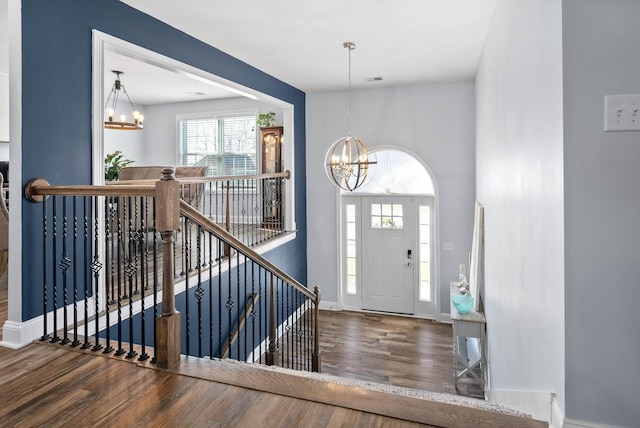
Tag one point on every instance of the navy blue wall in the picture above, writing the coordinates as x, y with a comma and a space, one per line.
56, 107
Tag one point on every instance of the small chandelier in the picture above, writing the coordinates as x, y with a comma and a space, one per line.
112, 103
347, 162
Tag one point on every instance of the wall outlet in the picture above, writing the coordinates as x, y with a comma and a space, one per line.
622, 112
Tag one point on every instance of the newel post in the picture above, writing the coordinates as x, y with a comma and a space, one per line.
167, 221
316, 365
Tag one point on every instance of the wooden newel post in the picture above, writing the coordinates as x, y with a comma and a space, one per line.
316, 365
167, 222
272, 351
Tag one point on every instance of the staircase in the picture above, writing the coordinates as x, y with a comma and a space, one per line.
135, 266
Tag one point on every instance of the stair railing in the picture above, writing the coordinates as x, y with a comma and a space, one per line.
72, 264
293, 309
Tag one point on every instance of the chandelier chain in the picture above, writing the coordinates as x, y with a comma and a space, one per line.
350, 47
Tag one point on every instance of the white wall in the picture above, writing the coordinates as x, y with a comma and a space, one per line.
602, 206
436, 122
4, 80
130, 143
160, 139
520, 183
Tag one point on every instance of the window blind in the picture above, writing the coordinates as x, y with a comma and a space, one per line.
227, 145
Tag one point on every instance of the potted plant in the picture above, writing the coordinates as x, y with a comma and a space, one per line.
113, 163
265, 120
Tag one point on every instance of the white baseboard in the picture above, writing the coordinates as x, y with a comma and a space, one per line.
538, 404
329, 306
572, 423
16, 335
445, 318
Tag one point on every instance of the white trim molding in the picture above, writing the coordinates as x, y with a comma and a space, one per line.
541, 405
329, 306
572, 423
16, 335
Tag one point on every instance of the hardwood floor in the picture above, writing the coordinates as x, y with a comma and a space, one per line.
395, 350
52, 386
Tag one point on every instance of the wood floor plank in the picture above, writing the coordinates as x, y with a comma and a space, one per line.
52, 385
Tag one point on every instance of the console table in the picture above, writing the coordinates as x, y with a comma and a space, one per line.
469, 341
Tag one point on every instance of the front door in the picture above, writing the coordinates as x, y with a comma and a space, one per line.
388, 253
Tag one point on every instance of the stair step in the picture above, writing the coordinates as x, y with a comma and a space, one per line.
424, 407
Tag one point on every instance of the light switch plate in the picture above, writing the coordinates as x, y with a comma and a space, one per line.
447, 246
622, 112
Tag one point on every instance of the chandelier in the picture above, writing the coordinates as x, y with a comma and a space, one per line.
112, 103
347, 162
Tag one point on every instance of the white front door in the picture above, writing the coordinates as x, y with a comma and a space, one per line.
388, 253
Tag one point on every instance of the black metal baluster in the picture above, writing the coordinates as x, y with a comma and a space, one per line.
64, 265
45, 288
87, 275
246, 327
137, 237
110, 235
75, 342
95, 268
301, 354
110, 244
122, 214
256, 209
280, 226
131, 269
220, 249
239, 300
301, 332
199, 292
289, 317
264, 326
310, 334
156, 283
210, 238
144, 236
253, 312
187, 257
229, 306
55, 337
280, 322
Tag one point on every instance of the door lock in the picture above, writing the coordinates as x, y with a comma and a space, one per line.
408, 254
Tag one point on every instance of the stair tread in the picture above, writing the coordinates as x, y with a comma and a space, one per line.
403, 403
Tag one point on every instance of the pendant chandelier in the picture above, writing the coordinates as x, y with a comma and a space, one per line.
111, 105
347, 162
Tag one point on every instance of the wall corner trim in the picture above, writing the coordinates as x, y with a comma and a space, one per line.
16, 335
538, 404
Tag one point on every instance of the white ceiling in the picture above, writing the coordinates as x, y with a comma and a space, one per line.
147, 84
300, 42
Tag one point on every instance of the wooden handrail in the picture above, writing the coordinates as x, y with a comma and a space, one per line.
38, 188
241, 322
208, 225
186, 180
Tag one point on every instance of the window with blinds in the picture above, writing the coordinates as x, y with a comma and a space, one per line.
227, 145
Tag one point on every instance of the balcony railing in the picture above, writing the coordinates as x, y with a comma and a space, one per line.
150, 270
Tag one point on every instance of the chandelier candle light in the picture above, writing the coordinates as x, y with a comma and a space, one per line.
347, 162
112, 103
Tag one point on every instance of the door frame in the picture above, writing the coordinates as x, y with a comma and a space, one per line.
354, 301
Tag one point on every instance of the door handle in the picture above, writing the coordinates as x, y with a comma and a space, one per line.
409, 264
